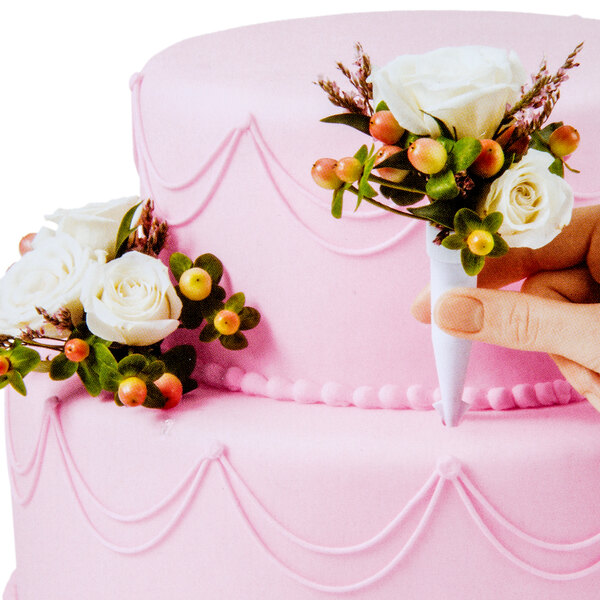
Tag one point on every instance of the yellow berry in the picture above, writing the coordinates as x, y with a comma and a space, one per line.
480, 242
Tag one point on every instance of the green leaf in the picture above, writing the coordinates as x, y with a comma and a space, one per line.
444, 129
237, 341
212, 265
400, 197
557, 167
154, 369
365, 190
109, 378
399, 160
192, 313
466, 221
440, 212
104, 356
492, 222
62, 368
236, 302
89, 378
179, 263
180, 360
132, 365
442, 186
471, 263
24, 359
125, 229
209, 333
464, 153
16, 381
362, 154
454, 242
337, 203
249, 318
500, 247
381, 106
355, 120
154, 398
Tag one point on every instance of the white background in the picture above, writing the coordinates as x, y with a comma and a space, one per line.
65, 113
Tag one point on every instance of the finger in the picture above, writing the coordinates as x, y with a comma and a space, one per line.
524, 322
421, 307
571, 285
578, 243
584, 381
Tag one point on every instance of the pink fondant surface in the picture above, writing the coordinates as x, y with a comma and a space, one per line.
231, 496
226, 128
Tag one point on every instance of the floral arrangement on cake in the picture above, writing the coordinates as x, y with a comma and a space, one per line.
465, 145
91, 298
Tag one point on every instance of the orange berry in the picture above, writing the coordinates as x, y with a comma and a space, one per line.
227, 322
77, 350
132, 391
171, 388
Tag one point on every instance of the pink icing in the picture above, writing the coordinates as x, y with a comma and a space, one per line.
449, 486
335, 296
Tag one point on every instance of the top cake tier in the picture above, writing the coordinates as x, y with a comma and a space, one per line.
226, 129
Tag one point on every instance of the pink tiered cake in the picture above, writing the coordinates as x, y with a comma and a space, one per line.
271, 480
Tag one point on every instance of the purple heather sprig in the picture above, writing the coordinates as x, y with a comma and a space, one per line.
538, 99
360, 100
151, 233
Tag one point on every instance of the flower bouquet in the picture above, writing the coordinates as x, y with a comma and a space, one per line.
459, 140
92, 297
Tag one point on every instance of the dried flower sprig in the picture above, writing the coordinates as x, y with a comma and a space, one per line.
535, 105
360, 100
150, 235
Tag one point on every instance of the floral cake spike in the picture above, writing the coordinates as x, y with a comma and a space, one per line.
93, 296
459, 140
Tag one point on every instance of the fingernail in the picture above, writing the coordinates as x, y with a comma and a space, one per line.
459, 313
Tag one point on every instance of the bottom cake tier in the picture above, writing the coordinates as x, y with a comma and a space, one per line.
233, 497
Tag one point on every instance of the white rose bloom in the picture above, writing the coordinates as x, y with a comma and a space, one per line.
94, 225
131, 300
466, 87
49, 277
536, 204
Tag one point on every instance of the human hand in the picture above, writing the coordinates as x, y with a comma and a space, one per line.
557, 310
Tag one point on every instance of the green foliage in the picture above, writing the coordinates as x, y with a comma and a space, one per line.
463, 154
179, 263
355, 120
126, 228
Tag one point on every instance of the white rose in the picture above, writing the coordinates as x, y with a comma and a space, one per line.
49, 277
94, 225
131, 300
466, 87
536, 204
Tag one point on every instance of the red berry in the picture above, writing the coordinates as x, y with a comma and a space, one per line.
323, 172
195, 284
26, 243
480, 242
427, 155
77, 350
171, 388
490, 159
389, 173
227, 322
564, 140
132, 391
349, 169
384, 127
4, 365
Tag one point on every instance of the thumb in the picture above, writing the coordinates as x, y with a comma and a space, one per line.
523, 322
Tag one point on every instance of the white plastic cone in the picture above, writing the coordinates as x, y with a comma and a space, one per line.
451, 353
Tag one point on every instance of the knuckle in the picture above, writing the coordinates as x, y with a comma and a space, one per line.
524, 326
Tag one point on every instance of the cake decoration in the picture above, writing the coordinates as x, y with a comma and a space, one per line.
466, 148
94, 295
